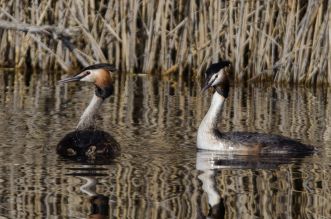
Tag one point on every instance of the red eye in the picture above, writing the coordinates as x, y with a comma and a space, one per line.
86, 73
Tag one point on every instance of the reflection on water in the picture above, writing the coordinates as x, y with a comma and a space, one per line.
160, 174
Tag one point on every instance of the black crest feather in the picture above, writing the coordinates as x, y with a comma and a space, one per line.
214, 68
106, 66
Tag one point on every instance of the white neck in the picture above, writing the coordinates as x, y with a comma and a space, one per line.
206, 138
87, 120
212, 117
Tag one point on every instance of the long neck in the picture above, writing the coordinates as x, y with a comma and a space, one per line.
212, 117
207, 137
87, 120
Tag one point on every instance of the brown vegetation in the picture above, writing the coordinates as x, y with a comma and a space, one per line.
283, 41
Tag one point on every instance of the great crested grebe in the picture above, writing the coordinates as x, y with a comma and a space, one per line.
245, 143
87, 140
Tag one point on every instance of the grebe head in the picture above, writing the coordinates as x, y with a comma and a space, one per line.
101, 75
216, 77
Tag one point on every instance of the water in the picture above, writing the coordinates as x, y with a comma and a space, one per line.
160, 174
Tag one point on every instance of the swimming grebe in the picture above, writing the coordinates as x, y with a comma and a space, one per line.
87, 140
244, 143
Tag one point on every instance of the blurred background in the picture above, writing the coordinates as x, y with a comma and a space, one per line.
282, 41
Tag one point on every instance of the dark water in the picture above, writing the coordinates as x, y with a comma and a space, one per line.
160, 174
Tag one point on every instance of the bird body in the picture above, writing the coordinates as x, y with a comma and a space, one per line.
88, 144
209, 137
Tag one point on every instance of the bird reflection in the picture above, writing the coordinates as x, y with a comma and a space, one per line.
99, 208
99, 203
209, 162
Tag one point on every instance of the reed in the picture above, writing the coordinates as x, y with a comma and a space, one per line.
281, 41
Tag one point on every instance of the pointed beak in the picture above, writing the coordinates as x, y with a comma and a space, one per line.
66, 80
208, 84
205, 88
72, 79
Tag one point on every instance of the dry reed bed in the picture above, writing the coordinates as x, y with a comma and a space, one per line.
283, 41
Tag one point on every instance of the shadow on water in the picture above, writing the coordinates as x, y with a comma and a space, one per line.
159, 173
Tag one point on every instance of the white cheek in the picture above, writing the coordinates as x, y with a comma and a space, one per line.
217, 81
89, 78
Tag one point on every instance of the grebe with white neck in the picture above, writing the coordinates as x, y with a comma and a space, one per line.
87, 140
209, 137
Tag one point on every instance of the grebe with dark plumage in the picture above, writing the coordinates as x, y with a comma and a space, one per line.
209, 137
87, 141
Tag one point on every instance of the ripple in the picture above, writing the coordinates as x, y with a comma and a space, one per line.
159, 171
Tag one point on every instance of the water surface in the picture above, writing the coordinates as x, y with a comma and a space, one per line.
160, 174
